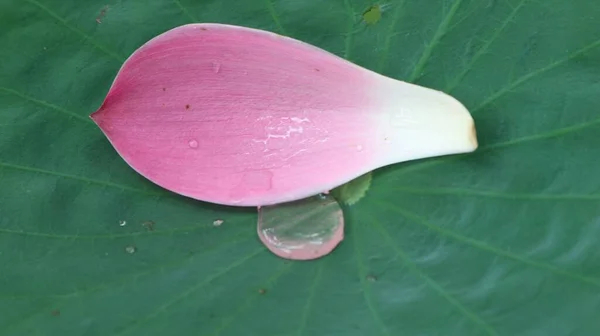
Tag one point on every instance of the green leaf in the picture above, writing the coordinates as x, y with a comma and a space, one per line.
499, 242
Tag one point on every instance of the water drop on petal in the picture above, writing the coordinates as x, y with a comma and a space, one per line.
306, 229
193, 144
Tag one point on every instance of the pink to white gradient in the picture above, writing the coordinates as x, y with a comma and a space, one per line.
239, 116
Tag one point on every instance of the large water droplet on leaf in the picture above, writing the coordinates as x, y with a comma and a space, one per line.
306, 229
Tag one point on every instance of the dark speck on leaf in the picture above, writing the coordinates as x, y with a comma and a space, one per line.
55, 312
102, 14
148, 225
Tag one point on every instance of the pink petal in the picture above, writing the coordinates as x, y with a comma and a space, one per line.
239, 116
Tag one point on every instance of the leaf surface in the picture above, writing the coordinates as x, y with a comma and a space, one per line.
499, 242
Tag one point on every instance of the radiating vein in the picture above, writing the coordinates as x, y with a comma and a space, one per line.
350, 33
497, 194
362, 274
190, 291
439, 33
179, 262
433, 284
270, 283
185, 11
547, 135
534, 74
85, 36
310, 298
48, 105
81, 179
484, 48
274, 16
105, 236
122, 281
531, 138
489, 248
388, 38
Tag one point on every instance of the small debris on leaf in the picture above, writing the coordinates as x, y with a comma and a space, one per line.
218, 222
262, 291
130, 249
122, 222
55, 312
148, 225
102, 14
371, 278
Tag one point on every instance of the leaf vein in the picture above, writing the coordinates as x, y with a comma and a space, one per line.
227, 321
48, 105
365, 288
190, 291
439, 33
274, 16
433, 284
185, 11
388, 39
533, 74
127, 280
81, 178
85, 36
496, 194
482, 245
309, 300
350, 33
484, 48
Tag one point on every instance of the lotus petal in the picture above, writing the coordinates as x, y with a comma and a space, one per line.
245, 117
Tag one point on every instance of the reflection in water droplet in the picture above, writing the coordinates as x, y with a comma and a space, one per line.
306, 229
193, 144
122, 222
130, 249
216, 67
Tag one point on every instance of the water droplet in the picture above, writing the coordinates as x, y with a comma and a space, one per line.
306, 229
218, 222
359, 148
122, 222
193, 144
216, 67
130, 249
371, 278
